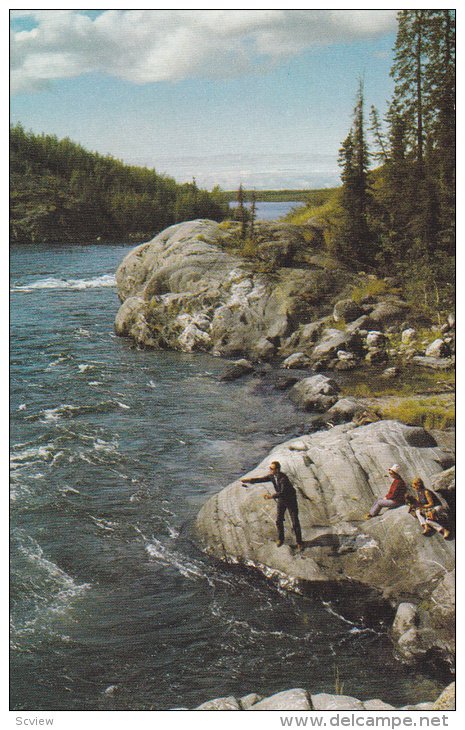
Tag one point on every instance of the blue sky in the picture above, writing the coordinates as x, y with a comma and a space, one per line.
263, 97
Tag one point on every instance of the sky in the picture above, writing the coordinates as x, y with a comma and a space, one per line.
262, 97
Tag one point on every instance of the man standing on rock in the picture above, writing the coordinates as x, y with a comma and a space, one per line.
395, 496
286, 499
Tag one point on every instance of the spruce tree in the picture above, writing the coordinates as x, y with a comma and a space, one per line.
253, 214
241, 211
378, 135
353, 244
408, 72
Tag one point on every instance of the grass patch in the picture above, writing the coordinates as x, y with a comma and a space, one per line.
410, 381
322, 214
372, 287
429, 413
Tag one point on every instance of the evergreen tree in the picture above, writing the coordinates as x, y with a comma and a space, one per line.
376, 130
242, 211
424, 74
353, 244
408, 71
253, 214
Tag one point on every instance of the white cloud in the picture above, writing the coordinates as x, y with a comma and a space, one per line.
147, 46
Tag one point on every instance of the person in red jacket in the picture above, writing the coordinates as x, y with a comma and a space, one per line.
395, 496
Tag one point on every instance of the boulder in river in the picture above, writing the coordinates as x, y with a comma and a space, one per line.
317, 393
237, 369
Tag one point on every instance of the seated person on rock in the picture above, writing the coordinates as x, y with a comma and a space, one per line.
395, 496
286, 499
431, 514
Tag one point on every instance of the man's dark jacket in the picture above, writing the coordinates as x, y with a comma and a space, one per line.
282, 484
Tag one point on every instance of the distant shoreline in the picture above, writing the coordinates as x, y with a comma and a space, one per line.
279, 196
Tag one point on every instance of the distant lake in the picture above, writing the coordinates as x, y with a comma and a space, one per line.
270, 211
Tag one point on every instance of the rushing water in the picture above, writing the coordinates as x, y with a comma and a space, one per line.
113, 452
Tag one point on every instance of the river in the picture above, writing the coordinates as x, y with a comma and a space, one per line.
113, 451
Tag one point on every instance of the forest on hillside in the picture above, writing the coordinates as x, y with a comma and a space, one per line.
61, 192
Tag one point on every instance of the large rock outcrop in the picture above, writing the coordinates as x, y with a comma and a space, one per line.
185, 290
199, 286
338, 474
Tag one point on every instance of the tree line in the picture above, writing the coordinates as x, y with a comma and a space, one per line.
400, 216
59, 191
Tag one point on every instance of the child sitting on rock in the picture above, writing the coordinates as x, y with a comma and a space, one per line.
431, 514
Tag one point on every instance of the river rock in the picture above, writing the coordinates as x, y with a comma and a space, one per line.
316, 393
129, 312
344, 410
409, 646
390, 373
292, 699
305, 336
362, 325
247, 701
296, 360
376, 339
264, 349
446, 700
346, 310
345, 356
338, 474
377, 705
406, 618
334, 340
438, 348
388, 312
336, 703
301, 699
433, 363
237, 370
408, 335
221, 704
376, 356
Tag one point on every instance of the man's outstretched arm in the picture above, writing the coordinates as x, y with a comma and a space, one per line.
256, 480
260, 480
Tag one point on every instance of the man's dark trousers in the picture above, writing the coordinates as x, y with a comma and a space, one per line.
291, 505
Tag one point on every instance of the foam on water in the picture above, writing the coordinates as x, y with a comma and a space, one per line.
30, 454
172, 559
67, 410
106, 280
84, 368
51, 591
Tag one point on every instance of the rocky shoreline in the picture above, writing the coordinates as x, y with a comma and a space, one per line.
300, 699
195, 288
